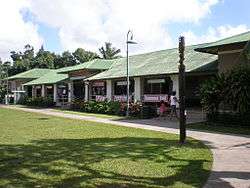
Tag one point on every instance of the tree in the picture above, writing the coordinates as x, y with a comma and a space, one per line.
22, 61
43, 59
232, 90
65, 60
15, 56
28, 52
4, 67
109, 52
82, 55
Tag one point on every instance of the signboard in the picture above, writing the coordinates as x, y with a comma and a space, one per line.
100, 98
121, 83
49, 87
121, 98
155, 98
98, 84
154, 81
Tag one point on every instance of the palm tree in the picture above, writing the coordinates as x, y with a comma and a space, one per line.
109, 52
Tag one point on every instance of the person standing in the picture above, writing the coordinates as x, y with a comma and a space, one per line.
173, 102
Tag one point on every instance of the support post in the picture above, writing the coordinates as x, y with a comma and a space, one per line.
137, 96
33, 91
109, 90
182, 90
55, 93
43, 91
86, 97
69, 92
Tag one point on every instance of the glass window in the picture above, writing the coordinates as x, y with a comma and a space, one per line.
120, 87
157, 85
78, 89
38, 91
49, 91
99, 88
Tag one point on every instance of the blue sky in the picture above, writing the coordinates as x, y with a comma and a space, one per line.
62, 25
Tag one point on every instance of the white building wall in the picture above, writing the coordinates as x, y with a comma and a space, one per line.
109, 89
175, 80
86, 96
137, 90
43, 91
55, 93
33, 91
69, 92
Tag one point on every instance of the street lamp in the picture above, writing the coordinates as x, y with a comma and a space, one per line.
129, 41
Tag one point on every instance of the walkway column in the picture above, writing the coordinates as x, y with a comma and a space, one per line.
86, 96
175, 80
69, 92
43, 91
33, 91
137, 96
109, 89
55, 93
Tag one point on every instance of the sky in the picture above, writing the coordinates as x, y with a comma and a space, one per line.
61, 25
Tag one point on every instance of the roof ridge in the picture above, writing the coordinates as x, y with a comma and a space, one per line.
188, 46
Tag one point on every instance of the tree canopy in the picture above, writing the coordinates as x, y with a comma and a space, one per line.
28, 59
109, 52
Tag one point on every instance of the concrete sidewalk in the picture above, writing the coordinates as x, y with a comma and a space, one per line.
231, 166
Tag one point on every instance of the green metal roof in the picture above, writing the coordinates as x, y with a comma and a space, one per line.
213, 46
96, 64
160, 62
30, 74
50, 78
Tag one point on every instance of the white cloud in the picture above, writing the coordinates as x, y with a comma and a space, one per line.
214, 34
15, 32
89, 23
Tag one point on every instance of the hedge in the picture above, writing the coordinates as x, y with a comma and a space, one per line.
37, 101
112, 108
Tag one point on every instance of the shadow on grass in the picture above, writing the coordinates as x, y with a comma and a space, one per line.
81, 162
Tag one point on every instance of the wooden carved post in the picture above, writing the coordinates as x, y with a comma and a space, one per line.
182, 90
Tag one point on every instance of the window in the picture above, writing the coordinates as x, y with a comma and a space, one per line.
38, 91
157, 85
99, 88
49, 91
78, 89
62, 92
121, 87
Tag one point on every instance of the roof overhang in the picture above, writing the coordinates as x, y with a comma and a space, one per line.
216, 49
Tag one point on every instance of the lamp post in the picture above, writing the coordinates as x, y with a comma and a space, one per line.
7, 89
182, 90
129, 41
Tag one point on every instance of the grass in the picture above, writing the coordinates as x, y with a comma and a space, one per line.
44, 151
211, 127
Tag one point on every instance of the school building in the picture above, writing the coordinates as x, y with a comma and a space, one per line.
153, 76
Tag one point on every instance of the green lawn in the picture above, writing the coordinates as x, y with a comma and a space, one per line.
45, 151
220, 128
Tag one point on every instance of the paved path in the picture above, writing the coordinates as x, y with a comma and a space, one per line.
231, 166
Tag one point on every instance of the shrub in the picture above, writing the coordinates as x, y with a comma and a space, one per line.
232, 90
212, 93
106, 107
37, 101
